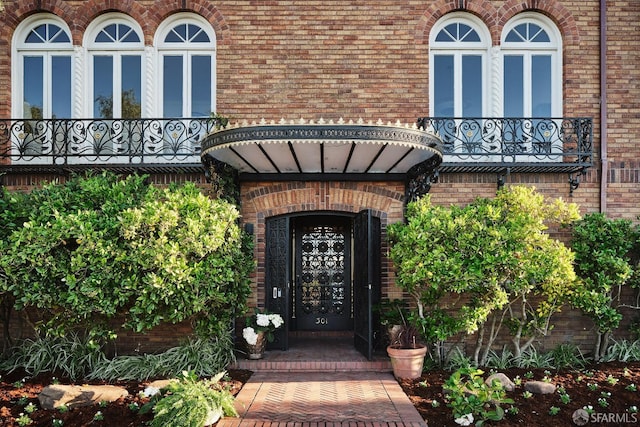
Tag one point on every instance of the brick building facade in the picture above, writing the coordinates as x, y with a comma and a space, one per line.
361, 59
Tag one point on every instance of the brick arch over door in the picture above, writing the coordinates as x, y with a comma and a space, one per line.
264, 200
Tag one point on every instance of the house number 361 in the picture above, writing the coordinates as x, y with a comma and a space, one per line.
322, 321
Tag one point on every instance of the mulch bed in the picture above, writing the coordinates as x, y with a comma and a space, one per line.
532, 412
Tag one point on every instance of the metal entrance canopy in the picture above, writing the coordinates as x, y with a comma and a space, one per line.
321, 147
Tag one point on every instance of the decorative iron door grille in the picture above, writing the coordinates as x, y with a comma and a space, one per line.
323, 277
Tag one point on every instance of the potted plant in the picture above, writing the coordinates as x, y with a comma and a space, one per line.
259, 329
406, 351
392, 314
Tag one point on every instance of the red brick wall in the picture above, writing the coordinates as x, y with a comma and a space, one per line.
263, 200
369, 59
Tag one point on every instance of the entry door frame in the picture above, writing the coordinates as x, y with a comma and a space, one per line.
365, 283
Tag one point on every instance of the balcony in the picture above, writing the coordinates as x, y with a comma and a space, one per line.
171, 145
513, 145
123, 145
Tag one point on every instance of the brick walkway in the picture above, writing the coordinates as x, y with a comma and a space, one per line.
318, 399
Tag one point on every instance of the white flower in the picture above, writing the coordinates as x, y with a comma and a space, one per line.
151, 391
276, 320
465, 420
262, 319
250, 336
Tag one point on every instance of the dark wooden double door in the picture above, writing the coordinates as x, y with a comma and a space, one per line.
322, 273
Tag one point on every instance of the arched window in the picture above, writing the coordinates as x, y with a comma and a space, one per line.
115, 46
459, 75
458, 56
531, 49
186, 49
42, 69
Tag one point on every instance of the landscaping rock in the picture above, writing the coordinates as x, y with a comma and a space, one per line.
160, 384
507, 384
540, 387
57, 395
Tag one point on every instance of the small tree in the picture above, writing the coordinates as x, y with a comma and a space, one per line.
472, 269
604, 251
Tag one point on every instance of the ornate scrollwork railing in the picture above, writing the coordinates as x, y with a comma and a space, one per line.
76, 142
533, 143
468, 144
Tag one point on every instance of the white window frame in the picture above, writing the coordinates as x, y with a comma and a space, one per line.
20, 49
116, 50
527, 50
459, 49
187, 50
33, 140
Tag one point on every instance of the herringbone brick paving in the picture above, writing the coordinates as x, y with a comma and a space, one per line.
323, 399
321, 381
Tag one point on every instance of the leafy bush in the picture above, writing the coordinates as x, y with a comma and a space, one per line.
458, 360
190, 402
604, 249
532, 358
102, 248
203, 357
475, 268
468, 393
502, 360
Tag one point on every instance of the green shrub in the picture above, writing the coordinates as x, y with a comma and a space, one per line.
532, 358
604, 251
622, 351
490, 264
189, 402
467, 394
203, 357
99, 247
70, 355
502, 360
568, 356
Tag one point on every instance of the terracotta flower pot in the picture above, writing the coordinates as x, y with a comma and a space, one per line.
407, 362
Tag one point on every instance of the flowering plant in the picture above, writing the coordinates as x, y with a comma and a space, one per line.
261, 322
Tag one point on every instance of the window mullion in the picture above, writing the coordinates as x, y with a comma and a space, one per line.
117, 86
47, 85
186, 87
457, 86
527, 84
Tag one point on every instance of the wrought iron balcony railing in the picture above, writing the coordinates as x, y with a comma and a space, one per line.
45, 144
515, 144
468, 144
